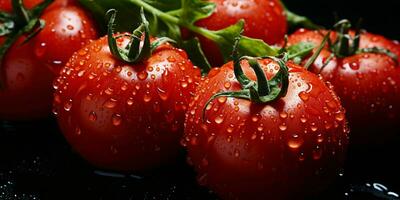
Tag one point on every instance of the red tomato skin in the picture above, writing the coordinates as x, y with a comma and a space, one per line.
367, 83
246, 150
29, 69
123, 116
28, 93
67, 29
265, 20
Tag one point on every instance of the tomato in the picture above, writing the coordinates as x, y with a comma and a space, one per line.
125, 116
265, 19
67, 30
286, 148
367, 83
27, 70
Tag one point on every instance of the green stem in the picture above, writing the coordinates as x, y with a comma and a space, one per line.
296, 20
167, 17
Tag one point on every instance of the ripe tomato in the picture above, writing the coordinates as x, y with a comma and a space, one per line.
27, 70
367, 83
125, 116
265, 19
283, 149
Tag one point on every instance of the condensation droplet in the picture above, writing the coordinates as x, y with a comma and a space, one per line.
68, 105
92, 116
116, 119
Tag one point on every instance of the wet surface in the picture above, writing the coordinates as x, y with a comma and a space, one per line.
37, 163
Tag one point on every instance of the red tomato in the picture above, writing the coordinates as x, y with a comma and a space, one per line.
265, 19
28, 69
284, 149
367, 83
124, 116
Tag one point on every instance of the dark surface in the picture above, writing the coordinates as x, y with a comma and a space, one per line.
381, 17
37, 163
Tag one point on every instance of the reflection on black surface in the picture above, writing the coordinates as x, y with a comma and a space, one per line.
37, 163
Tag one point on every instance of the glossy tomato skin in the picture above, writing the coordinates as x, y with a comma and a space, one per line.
29, 69
29, 92
367, 83
265, 19
124, 116
279, 150
67, 29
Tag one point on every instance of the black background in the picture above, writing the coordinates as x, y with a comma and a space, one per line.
379, 16
37, 163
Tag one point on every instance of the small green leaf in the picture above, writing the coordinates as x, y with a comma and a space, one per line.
227, 37
247, 46
196, 54
194, 10
300, 50
256, 47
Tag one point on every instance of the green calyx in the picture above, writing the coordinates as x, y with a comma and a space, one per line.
21, 22
138, 49
262, 90
348, 45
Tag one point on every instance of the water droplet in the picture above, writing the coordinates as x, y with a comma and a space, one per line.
68, 105
303, 119
81, 73
255, 118
41, 50
339, 116
354, 66
78, 131
295, 141
331, 104
184, 84
222, 99
156, 106
109, 91
304, 96
171, 59
83, 51
55, 111
116, 119
70, 27
193, 141
110, 103
282, 127
313, 127
320, 138
283, 115
92, 116
129, 101
142, 75
236, 153
147, 97
162, 93
229, 139
317, 153
227, 85
219, 119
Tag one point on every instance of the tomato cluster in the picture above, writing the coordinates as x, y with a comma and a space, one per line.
29, 67
257, 127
